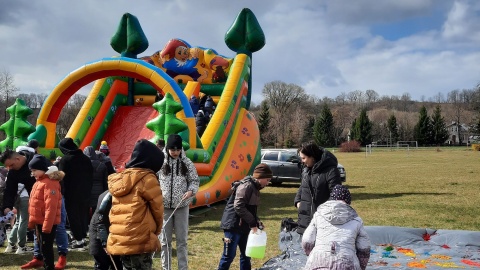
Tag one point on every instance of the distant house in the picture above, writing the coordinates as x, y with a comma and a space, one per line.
457, 134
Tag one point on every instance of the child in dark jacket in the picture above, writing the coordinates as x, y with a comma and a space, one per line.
45, 205
98, 232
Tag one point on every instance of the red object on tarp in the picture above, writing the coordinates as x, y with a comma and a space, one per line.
126, 128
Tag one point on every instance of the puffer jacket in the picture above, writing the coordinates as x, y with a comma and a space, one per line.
336, 238
45, 203
317, 183
174, 185
240, 213
136, 215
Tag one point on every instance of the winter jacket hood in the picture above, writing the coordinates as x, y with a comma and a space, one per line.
121, 184
328, 160
337, 212
146, 155
90, 153
68, 146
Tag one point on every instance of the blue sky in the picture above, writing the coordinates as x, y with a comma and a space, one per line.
420, 47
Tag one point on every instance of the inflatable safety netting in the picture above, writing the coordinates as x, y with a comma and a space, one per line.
396, 248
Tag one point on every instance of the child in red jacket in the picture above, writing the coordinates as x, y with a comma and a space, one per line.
45, 205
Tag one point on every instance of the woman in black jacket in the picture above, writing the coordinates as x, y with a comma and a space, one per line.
319, 176
100, 177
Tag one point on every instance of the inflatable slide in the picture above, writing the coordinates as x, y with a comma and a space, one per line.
149, 97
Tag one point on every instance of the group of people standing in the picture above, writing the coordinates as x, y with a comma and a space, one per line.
330, 231
137, 211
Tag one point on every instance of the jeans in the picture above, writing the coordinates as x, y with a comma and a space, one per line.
61, 237
230, 249
179, 224
19, 230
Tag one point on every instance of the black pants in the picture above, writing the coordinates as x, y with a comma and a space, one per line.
77, 213
45, 242
103, 262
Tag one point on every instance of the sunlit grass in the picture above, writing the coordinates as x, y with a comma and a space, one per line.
421, 188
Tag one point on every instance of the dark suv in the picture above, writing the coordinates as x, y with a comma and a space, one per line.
286, 165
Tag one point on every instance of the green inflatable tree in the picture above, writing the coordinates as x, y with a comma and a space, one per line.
245, 36
166, 122
129, 40
17, 128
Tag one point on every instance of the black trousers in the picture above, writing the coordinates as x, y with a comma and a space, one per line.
103, 262
78, 215
45, 242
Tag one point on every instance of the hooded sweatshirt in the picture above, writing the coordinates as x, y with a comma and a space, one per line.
136, 216
336, 238
78, 171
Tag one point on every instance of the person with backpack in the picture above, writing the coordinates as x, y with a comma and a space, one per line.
240, 216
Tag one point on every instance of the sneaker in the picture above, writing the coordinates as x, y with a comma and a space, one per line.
22, 250
10, 248
62, 262
78, 245
33, 264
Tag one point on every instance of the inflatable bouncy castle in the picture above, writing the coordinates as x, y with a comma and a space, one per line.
150, 97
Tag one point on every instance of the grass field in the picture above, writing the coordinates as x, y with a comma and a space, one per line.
434, 188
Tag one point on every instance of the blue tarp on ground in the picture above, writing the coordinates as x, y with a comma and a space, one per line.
397, 248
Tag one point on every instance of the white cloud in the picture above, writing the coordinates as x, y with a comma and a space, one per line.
327, 47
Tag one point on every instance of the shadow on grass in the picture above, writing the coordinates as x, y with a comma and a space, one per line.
372, 196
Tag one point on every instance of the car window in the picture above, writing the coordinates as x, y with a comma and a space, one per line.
271, 156
289, 156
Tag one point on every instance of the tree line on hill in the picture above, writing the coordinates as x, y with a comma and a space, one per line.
289, 116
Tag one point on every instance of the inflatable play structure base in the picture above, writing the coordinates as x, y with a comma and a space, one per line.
397, 248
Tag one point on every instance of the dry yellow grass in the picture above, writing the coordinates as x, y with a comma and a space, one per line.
421, 188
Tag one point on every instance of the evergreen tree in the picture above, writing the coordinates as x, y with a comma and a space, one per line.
363, 128
352, 130
423, 128
323, 128
264, 122
308, 130
439, 128
393, 128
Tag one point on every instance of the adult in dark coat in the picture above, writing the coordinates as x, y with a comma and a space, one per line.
319, 176
195, 104
201, 122
100, 177
18, 173
78, 185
